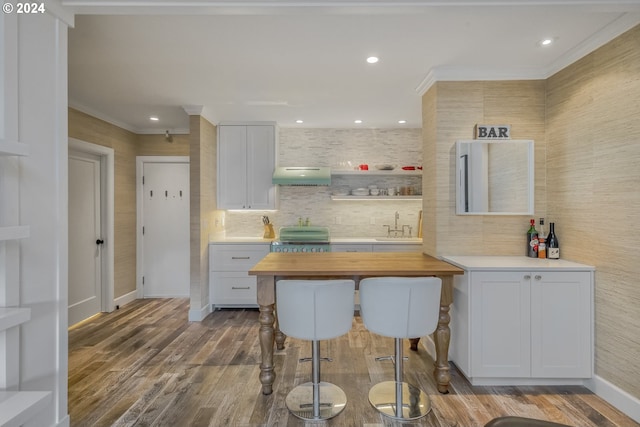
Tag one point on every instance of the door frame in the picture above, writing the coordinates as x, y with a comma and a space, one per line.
107, 195
140, 161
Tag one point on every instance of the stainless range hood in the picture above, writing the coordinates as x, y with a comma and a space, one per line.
305, 176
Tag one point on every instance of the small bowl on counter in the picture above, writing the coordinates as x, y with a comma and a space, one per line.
360, 192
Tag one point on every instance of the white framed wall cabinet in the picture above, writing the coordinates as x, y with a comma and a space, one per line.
518, 320
246, 161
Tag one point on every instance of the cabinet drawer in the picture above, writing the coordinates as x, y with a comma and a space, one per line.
236, 257
233, 289
350, 247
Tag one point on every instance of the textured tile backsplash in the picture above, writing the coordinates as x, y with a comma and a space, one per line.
332, 147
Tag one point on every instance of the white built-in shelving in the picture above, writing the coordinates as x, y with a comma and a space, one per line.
17, 407
14, 232
13, 148
13, 316
377, 173
397, 198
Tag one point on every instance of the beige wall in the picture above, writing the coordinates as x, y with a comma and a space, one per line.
585, 121
126, 146
593, 181
450, 112
203, 203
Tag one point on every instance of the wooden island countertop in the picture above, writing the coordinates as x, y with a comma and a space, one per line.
355, 265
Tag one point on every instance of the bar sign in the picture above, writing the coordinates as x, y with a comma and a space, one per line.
493, 132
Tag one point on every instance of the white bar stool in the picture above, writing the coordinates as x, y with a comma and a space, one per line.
400, 307
315, 310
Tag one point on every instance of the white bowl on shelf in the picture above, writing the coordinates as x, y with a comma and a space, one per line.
385, 167
360, 192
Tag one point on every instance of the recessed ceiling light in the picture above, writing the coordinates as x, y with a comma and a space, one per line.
547, 42
372, 59
357, 121
299, 121
402, 122
154, 118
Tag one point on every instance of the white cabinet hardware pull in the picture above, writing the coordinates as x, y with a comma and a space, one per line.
538, 277
240, 257
240, 287
527, 277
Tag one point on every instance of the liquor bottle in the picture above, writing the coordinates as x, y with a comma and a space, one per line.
532, 240
542, 246
553, 247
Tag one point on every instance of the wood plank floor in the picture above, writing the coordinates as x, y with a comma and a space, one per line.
146, 365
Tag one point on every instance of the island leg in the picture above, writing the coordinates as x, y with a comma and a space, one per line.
280, 337
266, 301
442, 336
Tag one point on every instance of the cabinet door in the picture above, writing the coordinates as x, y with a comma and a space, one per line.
561, 324
232, 167
261, 161
500, 314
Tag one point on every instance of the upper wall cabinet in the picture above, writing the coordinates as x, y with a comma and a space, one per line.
246, 161
494, 177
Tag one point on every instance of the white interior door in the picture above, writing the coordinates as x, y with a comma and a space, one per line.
85, 286
165, 238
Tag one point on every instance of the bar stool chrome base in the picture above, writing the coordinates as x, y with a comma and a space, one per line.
300, 401
415, 402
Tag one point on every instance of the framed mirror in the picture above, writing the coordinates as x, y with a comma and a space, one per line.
494, 177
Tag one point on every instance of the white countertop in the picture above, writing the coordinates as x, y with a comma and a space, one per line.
238, 240
514, 263
376, 240
352, 240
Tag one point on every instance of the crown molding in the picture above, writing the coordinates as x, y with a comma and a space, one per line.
193, 110
98, 115
625, 22
122, 125
463, 74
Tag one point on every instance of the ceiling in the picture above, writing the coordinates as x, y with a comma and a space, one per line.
306, 60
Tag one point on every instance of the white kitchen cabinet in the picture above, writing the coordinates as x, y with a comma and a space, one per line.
246, 161
229, 282
396, 247
518, 320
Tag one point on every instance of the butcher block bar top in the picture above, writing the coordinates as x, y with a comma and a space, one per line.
352, 264
355, 265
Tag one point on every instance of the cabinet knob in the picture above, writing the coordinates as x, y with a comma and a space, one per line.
538, 277
527, 277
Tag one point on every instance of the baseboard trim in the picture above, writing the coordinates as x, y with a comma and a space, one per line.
613, 394
198, 315
125, 299
65, 422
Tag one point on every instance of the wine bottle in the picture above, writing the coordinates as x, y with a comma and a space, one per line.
542, 246
553, 247
532, 240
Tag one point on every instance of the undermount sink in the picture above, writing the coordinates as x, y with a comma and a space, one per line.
398, 239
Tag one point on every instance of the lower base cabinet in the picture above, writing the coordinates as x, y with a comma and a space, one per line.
522, 324
229, 282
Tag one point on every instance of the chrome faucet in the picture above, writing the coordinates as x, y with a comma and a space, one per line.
395, 229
